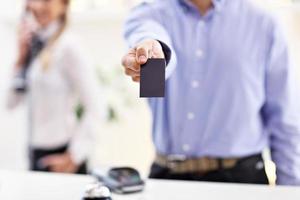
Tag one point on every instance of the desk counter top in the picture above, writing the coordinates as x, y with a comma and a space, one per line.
16, 185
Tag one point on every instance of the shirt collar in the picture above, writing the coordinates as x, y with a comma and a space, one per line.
187, 5
47, 32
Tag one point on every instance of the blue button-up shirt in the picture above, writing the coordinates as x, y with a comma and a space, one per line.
230, 88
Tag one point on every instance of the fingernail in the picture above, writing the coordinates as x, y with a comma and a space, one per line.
142, 59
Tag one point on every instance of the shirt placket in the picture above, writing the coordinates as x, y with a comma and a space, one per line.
192, 119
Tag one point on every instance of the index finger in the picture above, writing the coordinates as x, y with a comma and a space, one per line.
129, 61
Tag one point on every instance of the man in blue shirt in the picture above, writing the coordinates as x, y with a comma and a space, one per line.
230, 90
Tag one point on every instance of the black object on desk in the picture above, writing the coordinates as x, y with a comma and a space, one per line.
152, 82
123, 180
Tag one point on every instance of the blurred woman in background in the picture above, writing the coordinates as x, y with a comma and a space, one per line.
54, 75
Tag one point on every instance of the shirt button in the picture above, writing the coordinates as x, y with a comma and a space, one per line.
186, 147
195, 84
199, 53
201, 24
190, 116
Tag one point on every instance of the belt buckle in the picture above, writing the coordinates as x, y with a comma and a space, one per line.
174, 160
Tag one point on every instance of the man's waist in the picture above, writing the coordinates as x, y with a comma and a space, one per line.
182, 164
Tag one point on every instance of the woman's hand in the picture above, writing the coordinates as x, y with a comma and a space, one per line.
60, 163
25, 34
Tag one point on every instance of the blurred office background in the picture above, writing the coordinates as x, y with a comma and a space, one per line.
125, 139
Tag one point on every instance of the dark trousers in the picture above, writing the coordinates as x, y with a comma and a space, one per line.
247, 170
37, 154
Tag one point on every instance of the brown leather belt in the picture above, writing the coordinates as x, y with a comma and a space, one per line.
180, 164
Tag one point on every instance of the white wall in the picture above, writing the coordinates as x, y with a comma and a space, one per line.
11, 124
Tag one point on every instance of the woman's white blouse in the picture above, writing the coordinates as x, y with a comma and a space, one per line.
53, 95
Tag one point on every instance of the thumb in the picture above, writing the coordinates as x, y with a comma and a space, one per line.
142, 54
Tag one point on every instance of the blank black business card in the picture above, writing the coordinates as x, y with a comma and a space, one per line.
152, 83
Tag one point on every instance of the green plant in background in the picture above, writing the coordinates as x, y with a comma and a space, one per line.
79, 111
116, 90
114, 87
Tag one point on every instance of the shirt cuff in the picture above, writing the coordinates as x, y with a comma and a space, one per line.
167, 51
